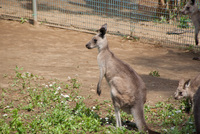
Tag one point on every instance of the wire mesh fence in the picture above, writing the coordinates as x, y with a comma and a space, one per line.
156, 20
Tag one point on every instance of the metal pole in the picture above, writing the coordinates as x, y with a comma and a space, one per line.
34, 2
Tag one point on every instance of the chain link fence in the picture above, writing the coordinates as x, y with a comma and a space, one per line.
158, 21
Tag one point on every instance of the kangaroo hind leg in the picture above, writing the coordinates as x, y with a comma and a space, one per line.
117, 116
115, 99
138, 114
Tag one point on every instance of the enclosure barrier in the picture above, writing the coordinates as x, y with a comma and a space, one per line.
158, 21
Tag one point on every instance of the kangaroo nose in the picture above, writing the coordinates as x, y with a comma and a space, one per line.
87, 46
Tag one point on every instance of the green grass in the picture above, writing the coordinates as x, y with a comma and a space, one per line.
184, 20
23, 20
32, 104
154, 73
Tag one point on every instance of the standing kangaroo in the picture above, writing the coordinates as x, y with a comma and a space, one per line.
192, 10
196, 112
187, 89
128, 91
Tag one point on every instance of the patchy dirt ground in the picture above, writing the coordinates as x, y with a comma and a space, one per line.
59, 53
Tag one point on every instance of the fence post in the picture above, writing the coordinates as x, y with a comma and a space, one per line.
34, 3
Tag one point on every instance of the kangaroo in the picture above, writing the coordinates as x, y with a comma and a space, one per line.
196, 111
128, 91
192, 10
187, 89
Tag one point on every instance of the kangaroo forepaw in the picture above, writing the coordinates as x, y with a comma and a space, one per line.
98, 89
99, 92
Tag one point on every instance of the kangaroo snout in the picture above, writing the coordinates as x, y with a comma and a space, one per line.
88, 46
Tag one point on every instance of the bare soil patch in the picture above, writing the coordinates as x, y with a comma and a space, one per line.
59, 53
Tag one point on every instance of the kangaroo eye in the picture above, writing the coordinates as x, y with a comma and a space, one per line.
95, 40
180, 93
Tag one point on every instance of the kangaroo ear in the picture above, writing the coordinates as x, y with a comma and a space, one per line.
181, 82
187, 84
192, 2
103, 30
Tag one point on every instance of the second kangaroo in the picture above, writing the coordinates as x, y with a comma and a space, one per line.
187, 89
128, 91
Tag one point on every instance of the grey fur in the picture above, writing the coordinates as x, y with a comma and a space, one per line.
192, 10
128, 91
187, 89
196, 112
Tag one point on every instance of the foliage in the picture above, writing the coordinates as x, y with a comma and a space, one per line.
190, 48
154, 73
172, 117
184, 22
162, 19
32, 104
132, 38
23, 20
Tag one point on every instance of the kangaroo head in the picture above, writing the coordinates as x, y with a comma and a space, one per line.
190, 8
182, 90
99, 40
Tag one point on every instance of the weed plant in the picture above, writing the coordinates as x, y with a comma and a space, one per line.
154, 73
184, 20
32, 104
